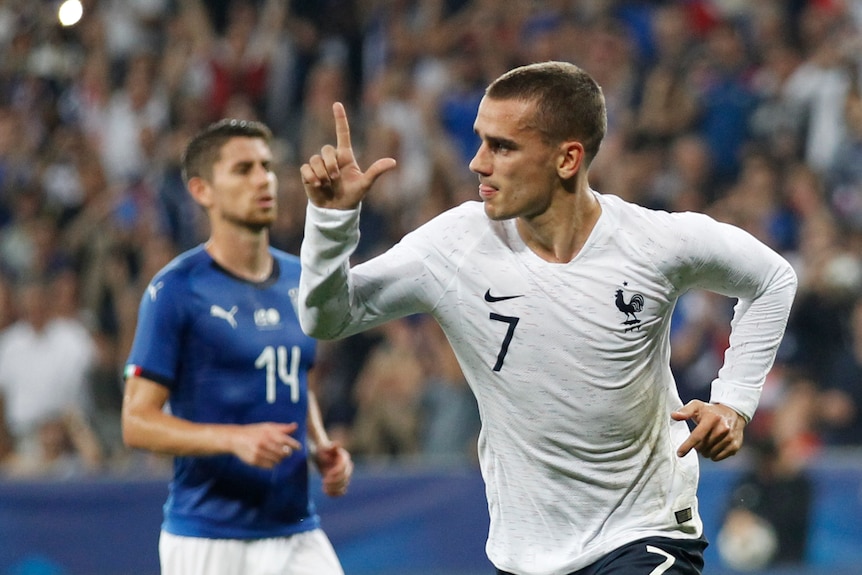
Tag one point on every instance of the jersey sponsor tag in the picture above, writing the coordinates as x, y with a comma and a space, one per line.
683, 515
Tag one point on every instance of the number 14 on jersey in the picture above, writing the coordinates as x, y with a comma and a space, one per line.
275, 361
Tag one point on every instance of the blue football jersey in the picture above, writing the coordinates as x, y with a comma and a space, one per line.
230, 351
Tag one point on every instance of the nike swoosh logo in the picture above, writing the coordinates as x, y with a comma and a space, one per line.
492, 298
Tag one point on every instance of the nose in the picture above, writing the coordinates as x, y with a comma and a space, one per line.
479, 164
261, 175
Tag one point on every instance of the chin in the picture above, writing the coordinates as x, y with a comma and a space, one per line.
496, 215
259, 226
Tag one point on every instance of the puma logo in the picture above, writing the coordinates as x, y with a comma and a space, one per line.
228, 316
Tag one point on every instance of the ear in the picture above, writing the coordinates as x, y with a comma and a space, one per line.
200, 191
570, 159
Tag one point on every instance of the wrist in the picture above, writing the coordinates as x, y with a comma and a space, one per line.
741, 415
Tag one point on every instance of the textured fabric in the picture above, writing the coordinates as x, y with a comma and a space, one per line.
569, 362
230, 351
308, 553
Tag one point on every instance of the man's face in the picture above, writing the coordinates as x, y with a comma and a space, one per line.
516, 167
243, 187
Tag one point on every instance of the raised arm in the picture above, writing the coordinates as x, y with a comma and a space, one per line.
335, 187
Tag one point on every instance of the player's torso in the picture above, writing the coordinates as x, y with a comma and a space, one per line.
583, 339
245, 356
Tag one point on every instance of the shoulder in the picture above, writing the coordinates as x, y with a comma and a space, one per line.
450, 232
653, 222
178, 277
185, 265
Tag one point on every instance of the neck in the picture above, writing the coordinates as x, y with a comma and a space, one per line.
245, 255
558, 234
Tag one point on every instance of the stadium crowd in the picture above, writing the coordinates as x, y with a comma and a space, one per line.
748, 111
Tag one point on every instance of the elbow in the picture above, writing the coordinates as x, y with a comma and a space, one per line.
319, 333
133, 438
130, 438
790, 283
308, 321
308, 324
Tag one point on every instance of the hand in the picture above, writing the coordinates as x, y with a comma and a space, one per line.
264, 444
336, 468
718, 429
332, 179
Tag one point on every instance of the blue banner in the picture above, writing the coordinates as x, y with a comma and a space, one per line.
396, 520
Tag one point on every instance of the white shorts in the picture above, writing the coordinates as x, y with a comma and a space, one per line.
306, 553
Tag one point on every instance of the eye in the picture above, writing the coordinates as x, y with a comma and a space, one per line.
500, 146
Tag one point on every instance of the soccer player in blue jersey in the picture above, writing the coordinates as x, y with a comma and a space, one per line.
218, 378
557, 301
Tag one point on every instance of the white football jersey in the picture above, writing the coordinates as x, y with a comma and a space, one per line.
569, 362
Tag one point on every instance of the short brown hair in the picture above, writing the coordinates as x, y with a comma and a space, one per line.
203, 150
569, 102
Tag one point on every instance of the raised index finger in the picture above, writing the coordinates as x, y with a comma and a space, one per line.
342, 128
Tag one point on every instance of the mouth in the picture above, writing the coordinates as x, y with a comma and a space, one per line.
266, 202
487, 192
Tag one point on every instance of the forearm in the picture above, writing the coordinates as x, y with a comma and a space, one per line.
336, 300
756, 332
730, 261
146, 425
164, 433
324, 288
332, 460
317, 435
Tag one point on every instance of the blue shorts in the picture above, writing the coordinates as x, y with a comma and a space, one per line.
675, 556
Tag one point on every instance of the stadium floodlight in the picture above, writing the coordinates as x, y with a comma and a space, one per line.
70, 12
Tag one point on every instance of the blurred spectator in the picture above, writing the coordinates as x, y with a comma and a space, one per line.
755, 203
845, 175
726, 100
65, 448
748, 111
338, 367
776, 123
457, 106
792, 417
830, 277
388, 392
133, 121
326, 84
685, 182
44, 364
129, 26
699, 337
769, 511
397, 129
817, 89
668, 103
840, 402
18, 239
449, 415
241, 56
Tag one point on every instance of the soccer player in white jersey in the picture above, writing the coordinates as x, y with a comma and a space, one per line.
557, 302
218, 341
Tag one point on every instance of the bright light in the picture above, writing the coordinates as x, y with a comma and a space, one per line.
70, 12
